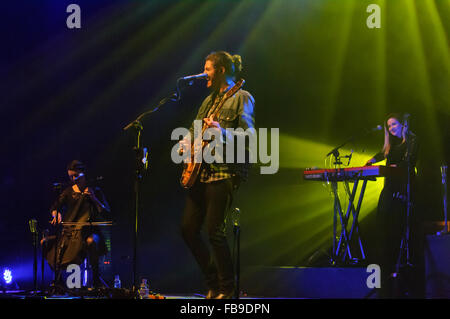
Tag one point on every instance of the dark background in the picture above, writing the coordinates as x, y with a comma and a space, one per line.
315, 69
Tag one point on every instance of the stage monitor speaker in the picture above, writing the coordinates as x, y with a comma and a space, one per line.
307, 282
437, 266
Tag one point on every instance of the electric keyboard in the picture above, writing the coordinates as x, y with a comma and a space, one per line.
350, 173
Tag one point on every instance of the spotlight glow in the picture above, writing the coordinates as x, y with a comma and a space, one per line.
7, 276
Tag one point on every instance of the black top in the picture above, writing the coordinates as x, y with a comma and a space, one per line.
79, 207
398, 155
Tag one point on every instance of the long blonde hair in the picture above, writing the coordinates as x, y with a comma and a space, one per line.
387, 135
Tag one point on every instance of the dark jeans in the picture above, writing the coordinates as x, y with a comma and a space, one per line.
208, 203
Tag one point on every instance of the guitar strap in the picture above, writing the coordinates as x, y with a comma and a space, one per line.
217, 100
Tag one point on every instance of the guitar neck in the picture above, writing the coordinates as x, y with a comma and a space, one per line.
227, 95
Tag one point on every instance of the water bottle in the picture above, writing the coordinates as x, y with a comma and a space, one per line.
117, 283
143, 290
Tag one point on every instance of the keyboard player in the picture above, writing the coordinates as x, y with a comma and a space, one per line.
392, 204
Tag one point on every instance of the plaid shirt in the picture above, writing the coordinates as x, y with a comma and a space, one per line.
207, 175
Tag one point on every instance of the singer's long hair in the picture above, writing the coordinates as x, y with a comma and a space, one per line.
388, 136
231, 63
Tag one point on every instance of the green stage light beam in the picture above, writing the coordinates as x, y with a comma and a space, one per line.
345, 11
436, 47
424, 78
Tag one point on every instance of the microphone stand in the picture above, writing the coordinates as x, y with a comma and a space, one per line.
405, 243
141, 165
56, 258
237, 245
408, 192
335, 151
444, 186
43, 252
33, 229
336, 206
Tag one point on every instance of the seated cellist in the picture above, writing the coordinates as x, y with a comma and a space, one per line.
83, 204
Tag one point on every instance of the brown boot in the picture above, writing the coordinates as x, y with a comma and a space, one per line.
225, 295
212, 294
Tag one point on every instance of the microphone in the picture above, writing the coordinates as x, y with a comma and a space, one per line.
145, 157
377, 128
236, 216
32, 223
194, 77
406, 117
78, 177
349, 157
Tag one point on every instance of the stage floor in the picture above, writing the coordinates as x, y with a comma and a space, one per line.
21, 294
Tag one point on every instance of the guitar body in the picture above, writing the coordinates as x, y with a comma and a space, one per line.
190, 174
192, 169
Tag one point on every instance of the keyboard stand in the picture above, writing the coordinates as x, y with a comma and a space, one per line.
342, 252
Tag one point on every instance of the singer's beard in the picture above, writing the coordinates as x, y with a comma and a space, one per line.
216, 82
